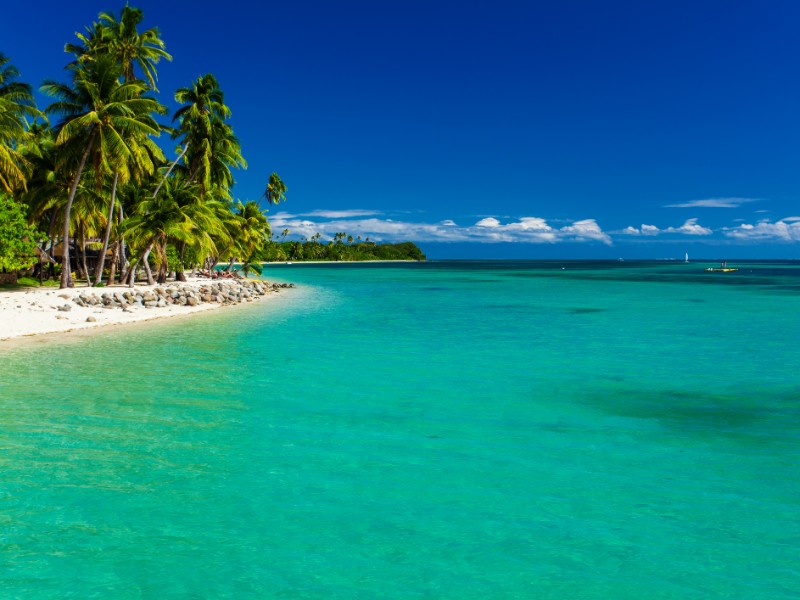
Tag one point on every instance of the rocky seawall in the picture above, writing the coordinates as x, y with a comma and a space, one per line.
224, 292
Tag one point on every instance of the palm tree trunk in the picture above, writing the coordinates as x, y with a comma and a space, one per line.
112, 270
66, 277
123, 259
98, 274
83, 258
146, 263
179, 274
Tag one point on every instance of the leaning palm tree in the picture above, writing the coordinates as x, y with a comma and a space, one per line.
16, 106
100, 115
177, 216
250, 231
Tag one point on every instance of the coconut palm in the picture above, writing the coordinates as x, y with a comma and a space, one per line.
204, 104
178, 216
16, 106
249, 232
276, 190
100, 117
121, 39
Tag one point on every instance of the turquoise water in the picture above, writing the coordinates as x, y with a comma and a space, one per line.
441, 430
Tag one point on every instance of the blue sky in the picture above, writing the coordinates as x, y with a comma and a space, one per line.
494, 129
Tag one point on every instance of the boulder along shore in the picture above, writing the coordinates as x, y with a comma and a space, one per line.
34, 311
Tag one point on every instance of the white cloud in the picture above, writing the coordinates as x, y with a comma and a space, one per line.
629, 231
650, 230
786, 230
487, 230
588, 229
690, 227
713, 203
645, 230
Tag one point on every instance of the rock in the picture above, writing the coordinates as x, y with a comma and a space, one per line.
191, 301
148, 296
60, 317
66, 296
65, 308
150, 303
91, 319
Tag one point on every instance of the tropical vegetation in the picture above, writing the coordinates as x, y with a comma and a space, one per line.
91, 195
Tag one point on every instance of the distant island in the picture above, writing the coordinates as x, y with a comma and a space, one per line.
342, 247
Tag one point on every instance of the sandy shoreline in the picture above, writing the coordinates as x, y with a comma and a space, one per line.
38, 311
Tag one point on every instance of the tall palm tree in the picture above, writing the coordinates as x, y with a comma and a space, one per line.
16, 106
276, 190
226, 153
100, 115
204, 104
122, 39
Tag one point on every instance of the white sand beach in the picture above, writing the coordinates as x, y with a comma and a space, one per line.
35, 311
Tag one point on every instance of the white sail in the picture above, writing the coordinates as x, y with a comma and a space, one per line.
687, 258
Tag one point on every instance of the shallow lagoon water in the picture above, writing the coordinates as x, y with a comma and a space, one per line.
440, 430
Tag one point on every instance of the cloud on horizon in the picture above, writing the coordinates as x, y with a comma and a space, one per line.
689, 227
524, 230
487, 230
713, 203
783, 230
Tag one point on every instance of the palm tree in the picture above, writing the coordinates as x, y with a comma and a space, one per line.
121, 39
276, 190
177, 216
100, 116
204, 104
16, 105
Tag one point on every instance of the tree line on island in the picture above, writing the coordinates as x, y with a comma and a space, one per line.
86, 192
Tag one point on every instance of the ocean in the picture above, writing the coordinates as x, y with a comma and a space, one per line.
489, 429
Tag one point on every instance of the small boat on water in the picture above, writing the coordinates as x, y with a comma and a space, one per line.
723, 268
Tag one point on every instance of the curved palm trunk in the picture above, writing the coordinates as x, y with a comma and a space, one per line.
146, 264
98, 274
66, 276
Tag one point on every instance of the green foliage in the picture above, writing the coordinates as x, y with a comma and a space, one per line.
338, 250
17, 237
